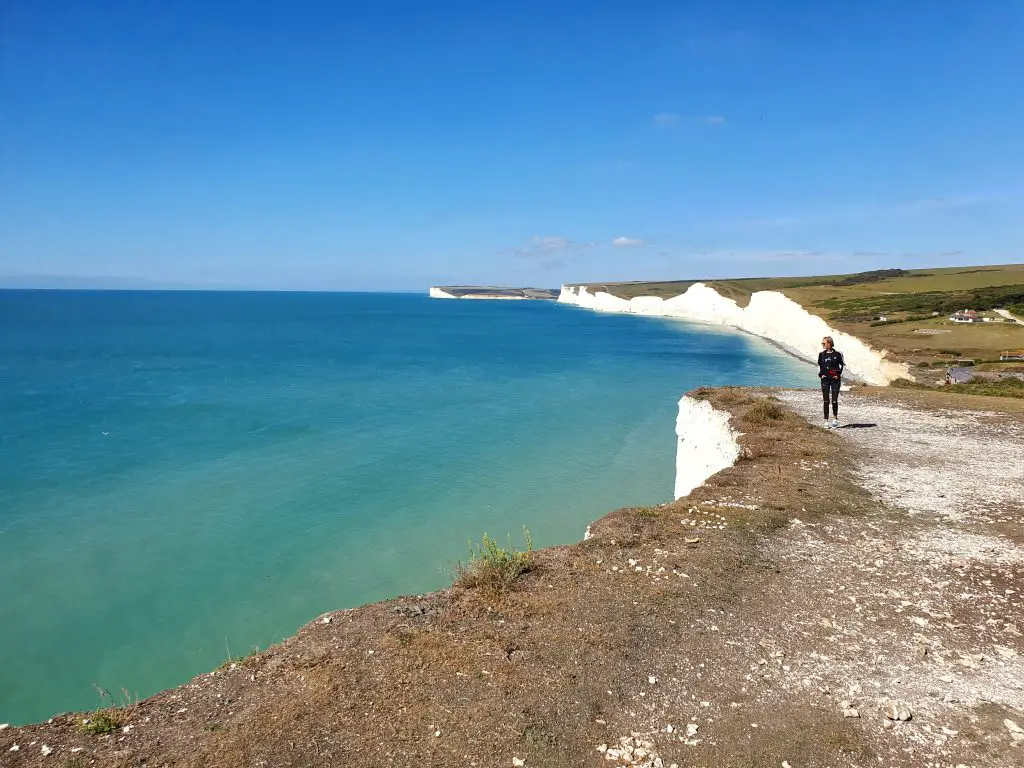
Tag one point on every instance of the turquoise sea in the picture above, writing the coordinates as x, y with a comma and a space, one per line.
188, 474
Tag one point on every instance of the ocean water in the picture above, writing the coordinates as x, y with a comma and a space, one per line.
185, 476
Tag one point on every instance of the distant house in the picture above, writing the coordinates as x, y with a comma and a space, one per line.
1012, 354
958, 375
966, 316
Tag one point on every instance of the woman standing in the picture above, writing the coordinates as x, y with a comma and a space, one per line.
830, 371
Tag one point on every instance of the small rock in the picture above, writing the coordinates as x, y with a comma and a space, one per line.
785, 764
851, 712
46, 750
692, 541
651, 680
4, 726
437, 733
518, 761
691, 729
946, 678
326, 620
602, 748
897, 711
1012, 727
14, 748
669, 728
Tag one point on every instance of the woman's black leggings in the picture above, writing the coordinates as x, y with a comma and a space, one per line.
830, 385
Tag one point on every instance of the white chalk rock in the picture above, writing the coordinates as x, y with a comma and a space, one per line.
769, 314
706, 444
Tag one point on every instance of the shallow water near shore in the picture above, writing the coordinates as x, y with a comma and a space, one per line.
185, 476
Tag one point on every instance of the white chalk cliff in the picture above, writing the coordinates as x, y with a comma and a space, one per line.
437, 293
706, 444
769, 314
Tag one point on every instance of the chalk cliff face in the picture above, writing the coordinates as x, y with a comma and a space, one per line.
769, 314
438, 293
706, 444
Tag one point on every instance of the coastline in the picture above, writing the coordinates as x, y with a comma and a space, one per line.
739, 624
769, 315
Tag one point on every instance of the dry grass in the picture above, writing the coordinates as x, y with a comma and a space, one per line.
561, 662
765, 411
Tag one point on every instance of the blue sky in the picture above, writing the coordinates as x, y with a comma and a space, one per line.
392, 145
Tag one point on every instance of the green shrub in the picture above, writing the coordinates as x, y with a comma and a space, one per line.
493, 567
101, 722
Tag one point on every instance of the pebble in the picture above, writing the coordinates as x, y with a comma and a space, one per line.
897, 711
4, 726
46, 750
14, 748
517, 761
1016, 732
851, 712
651, 680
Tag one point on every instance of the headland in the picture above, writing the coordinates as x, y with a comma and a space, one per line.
491, 292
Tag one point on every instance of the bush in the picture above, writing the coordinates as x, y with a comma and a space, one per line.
1000, 388
101, 722
907, 384
765, 410
493, 567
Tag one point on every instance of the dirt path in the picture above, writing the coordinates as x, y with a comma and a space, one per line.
923, 596
774, 617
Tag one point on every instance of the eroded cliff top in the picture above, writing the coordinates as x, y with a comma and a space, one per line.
778, 613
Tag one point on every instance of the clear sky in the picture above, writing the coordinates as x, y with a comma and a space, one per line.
387, 145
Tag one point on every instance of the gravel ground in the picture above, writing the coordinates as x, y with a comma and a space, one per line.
921, 599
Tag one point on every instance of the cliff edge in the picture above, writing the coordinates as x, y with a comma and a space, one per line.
769, 314
833, 598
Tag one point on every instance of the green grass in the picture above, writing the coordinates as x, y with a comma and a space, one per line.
1000, 388
238, 660
493, 567
100, 723
647, 511
943, 302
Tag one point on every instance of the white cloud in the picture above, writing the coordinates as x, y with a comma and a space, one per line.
549, 244
713, 119
624, 242
667, 119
